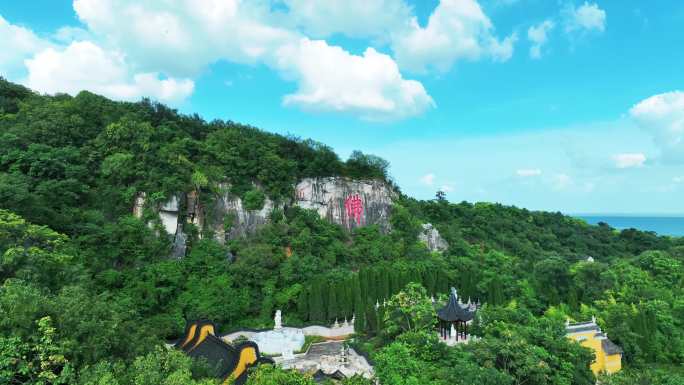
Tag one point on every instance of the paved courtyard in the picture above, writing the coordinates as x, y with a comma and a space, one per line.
330, 357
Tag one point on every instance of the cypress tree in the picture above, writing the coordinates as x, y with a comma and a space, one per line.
372, 285
442, 282
316, 306
384, 290
360, 321
303, 304
371, 319
407, 278
394, 284
415, 276
362, 278
332, 302
341, 295
430, 281
380, 319
348, 299
496, 296
312, 302
359, 306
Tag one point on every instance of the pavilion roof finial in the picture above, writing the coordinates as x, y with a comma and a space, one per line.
456, 310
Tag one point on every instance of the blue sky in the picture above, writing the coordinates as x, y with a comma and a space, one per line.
574, 106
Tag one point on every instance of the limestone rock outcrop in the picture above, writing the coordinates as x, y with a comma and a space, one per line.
430, 236
232, 220
348, 203
169, 214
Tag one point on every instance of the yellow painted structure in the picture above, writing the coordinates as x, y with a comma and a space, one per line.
190, 335
201, 341
205, 330
608, 356
248, 357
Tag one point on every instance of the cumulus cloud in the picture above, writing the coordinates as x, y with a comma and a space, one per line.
140, 42
329, 78
528, 172
16, 44
154, 34
662, 116
52, 67
354, 18
457, 29
538, 36
332, 79
86, 66
629, 160
585, 18
428, 179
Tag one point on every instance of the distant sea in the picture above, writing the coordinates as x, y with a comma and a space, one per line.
663, 225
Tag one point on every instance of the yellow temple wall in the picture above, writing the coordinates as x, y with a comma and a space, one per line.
602, 362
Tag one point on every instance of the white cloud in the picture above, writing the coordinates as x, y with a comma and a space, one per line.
155, 34
332, 79
629, 160
428, 179
585, 18
528, 172
663, 117
538, 35
678, 179
355, 18
69, 34
447, 188
140, 43
86, 66
457, 29
329, 79
16, 44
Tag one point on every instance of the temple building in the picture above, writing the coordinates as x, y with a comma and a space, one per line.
455, 317
608, 356
228, 362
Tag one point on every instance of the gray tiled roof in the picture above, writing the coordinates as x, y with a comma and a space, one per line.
610, 348
455, 310
580, 328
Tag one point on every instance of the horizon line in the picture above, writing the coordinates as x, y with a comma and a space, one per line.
637, 215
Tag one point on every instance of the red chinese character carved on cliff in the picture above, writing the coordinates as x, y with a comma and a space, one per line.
354, 206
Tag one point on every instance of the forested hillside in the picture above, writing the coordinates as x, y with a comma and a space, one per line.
89, 294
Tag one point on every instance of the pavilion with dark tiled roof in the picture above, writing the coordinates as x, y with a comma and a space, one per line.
456, 314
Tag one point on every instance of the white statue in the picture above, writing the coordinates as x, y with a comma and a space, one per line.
453, 332
278, 321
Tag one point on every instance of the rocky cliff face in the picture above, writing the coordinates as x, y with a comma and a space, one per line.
234, 220
348, 203
430, 236
169, 214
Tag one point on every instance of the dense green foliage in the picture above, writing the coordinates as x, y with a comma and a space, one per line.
89, 295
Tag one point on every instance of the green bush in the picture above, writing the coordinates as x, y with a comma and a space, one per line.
254, 200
